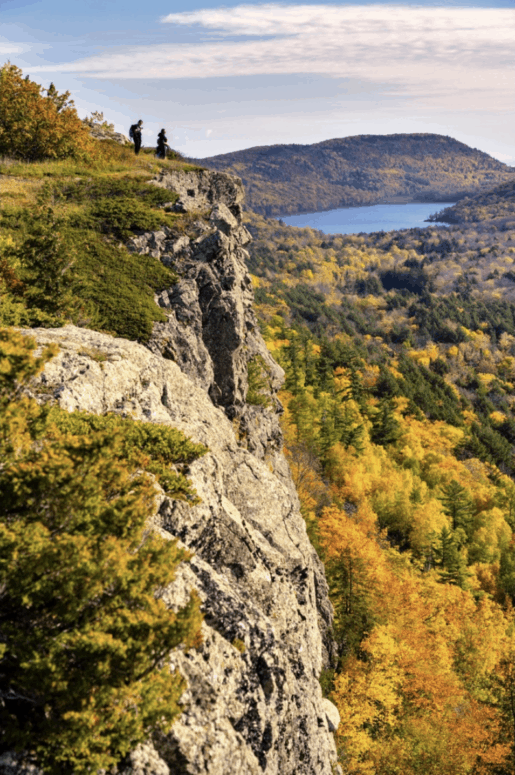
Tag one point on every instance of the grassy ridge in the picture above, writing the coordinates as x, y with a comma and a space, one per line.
64, 224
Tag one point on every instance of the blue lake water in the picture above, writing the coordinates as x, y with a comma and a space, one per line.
352, 220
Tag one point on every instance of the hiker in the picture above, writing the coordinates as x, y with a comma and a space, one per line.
162, 145
135, 135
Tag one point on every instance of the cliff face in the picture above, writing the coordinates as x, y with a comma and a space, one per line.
253, 703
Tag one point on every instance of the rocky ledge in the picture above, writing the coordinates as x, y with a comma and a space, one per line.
253, 703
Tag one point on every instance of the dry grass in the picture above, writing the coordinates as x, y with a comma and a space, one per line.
21, 182
19, 191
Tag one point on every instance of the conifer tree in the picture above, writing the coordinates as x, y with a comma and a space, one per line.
350, 428
84, 633
46, 263
293, 365
385, 427
450, 558
457, 505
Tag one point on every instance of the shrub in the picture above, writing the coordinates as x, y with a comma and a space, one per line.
63, 268
258, 375
123, 217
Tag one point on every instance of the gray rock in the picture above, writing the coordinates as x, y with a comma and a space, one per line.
144, 760
211, 331
253, 703
103, 133
16, 764
202, 189
332, 714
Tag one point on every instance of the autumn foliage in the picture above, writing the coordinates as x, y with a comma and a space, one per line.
418, 546
37, 123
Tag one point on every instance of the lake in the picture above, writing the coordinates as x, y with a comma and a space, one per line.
352, 220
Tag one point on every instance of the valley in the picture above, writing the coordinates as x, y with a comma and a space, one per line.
399, 422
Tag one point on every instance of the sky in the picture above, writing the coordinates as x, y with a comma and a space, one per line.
220, 78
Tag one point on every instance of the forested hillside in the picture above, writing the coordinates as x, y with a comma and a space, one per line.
399, 425
399, 350
361, 170
132, 414
497, 203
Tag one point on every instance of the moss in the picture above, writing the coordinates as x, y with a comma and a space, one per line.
93, 352
238, 645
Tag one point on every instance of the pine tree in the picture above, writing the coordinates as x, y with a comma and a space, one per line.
457, 505
46, 263
450, 558
350, 428
385, 427
84, 632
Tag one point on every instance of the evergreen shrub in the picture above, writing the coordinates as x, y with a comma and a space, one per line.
84, 631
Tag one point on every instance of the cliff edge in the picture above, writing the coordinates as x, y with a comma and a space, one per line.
253, 703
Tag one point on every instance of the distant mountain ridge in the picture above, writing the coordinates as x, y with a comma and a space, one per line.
359, 170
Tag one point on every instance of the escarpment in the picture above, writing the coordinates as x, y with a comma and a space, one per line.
253, 703
211, 331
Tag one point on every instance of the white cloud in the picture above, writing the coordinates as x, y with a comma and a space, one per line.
286, 20
447, 55
12, 48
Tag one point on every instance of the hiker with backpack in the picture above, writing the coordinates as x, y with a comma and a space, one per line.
135, 135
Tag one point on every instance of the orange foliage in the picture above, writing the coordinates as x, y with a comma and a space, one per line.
419, 694
425, 684
34, 126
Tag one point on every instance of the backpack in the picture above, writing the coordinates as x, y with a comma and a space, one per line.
131, 131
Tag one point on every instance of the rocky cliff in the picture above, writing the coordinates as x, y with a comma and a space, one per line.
253, 703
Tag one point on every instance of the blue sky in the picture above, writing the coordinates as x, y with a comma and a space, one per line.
223, 77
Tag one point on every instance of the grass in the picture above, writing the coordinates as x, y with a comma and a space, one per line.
97, 206
111, 159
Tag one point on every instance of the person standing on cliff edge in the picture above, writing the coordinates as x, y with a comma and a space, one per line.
162, 145
135, 135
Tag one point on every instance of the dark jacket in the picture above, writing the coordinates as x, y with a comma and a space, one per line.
162, 144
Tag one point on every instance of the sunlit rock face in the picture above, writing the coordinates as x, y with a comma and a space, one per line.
253, 703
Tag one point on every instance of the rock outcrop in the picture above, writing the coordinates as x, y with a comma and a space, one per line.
211, 331
253, 703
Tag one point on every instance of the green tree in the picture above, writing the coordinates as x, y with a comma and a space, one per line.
457, 505
450, 558
84, 632
385, 427
46, 261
